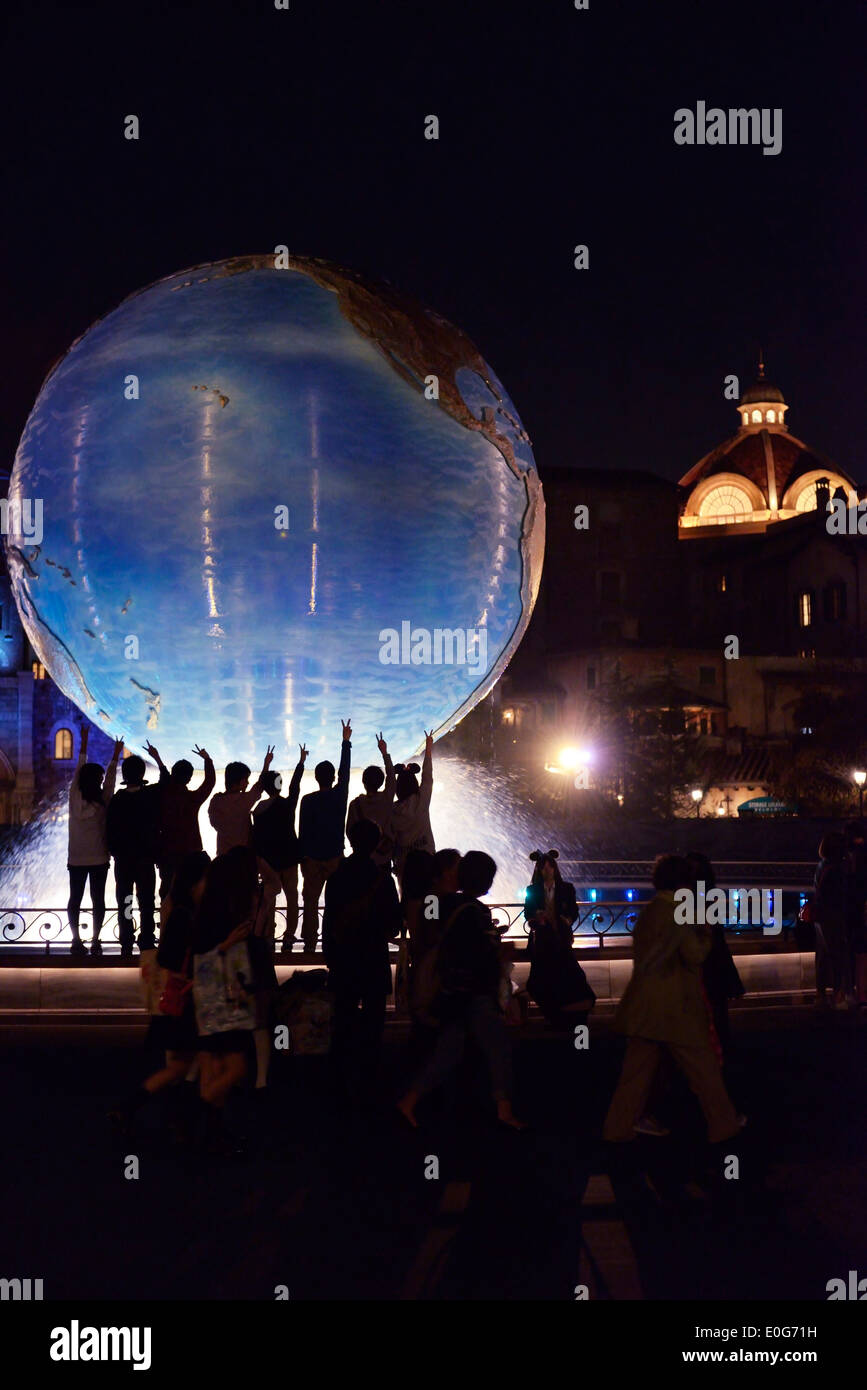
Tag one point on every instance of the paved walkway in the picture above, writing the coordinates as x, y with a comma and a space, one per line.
334, 1202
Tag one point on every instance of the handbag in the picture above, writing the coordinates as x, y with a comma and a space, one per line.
176, 987
223, 990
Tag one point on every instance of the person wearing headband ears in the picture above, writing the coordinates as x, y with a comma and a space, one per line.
409, 823
556, 982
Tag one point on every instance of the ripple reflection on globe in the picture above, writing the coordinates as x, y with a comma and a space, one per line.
316, 502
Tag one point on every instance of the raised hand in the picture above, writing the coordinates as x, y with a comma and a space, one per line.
269, 758
149, 748
201, 753
302, 753
428, 741
381, 744
347, 729
118, 748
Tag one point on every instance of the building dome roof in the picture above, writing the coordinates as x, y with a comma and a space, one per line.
762, 469
762, 390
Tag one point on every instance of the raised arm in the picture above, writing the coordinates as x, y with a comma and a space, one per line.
82, 748
202, 793
345, 759
295, 784
426, 784
390, 779
259, 785
111, 771
152, 752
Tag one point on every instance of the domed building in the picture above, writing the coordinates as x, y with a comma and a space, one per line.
761, 475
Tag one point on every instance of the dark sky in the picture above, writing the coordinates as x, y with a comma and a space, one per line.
305, 127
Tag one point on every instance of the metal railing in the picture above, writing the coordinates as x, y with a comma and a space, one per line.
24, 928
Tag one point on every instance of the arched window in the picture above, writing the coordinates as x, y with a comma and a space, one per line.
727, 500
63, 745
746, 417
757, 417
772, 417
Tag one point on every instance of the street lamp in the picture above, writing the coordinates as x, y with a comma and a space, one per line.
697, 795
860, 778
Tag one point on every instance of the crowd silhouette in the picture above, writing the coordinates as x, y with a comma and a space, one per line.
211, 986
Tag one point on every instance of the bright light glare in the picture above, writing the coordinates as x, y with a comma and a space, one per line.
573, 758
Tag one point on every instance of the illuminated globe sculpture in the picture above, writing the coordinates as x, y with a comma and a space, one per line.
274, 496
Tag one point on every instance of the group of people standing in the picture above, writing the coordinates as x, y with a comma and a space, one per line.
838, 913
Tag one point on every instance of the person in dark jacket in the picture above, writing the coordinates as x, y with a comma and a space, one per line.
856, 905
719, 972
173, 1035
556, 981
179, 834
362, 915
833, 960
132, 830
469, 969
275, 841
320, 834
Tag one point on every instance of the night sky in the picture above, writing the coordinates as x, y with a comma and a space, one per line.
305, 127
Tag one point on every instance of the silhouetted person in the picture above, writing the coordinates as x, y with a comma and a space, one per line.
429, 895
172, 1032
469, 970
719, 972
320, 834
229, 811
362, 915
229, 912
409, 823
375, 802
556, 981
132, 825
88, 855
275, 841
833, 958
179, 833
663, 1010
856, 905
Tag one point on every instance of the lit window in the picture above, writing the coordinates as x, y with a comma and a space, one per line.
757, 417
38, 671
746, 417
63, 745
721, 584
727, 502
772, 417
805, 608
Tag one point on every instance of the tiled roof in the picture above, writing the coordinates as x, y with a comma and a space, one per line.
750, 768
744, 453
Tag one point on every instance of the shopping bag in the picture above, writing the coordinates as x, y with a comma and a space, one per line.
223, 990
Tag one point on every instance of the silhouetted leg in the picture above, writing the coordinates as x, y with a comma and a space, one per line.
77, 880
146, 886
98, 875
124, 882
629, 1101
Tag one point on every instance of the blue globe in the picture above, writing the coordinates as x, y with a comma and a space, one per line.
274, 495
